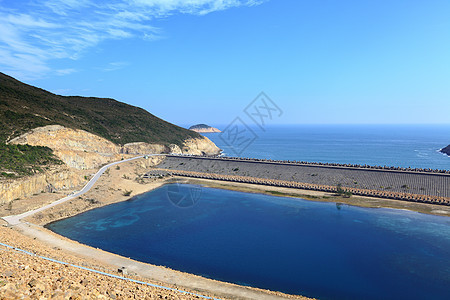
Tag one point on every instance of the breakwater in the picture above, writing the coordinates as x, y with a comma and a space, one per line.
407, 185
318, 164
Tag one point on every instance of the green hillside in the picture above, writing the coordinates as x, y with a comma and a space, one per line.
20, 160
23, 107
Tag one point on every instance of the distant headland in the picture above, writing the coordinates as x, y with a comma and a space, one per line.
446, 150
203, 128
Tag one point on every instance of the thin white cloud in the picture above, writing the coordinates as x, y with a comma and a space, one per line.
114, 66
65, 29
62, 72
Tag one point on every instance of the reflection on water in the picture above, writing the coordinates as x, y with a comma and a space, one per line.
323, 250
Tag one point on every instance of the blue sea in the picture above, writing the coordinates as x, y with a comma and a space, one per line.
414, 146
316, 249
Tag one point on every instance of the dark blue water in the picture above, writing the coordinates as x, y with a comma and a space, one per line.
292, 245
392, 145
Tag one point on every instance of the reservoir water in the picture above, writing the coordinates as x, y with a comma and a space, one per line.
317, 249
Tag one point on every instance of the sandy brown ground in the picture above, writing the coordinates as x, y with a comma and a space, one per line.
111, 188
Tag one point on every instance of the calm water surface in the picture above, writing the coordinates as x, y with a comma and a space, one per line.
323, 250
391, 145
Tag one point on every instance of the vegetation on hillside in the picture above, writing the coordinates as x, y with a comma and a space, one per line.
20, 160
199, 126
24, 107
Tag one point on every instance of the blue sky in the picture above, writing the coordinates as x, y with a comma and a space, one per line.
203, 61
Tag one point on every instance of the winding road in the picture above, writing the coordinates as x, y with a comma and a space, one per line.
16, 219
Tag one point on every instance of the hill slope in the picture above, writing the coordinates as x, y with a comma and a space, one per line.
24, 107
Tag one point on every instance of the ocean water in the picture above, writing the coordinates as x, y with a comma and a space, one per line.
414, 146
323, 250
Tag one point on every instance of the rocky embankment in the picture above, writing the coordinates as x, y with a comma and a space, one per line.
446, 150
363, 179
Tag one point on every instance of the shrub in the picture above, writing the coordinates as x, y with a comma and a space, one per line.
22, 160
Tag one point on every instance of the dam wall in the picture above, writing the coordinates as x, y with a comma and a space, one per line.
428, 187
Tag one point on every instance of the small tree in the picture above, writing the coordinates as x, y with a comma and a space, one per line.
341, 192
339, 189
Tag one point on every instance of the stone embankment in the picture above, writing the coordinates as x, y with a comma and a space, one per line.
315, 187
386, 181
350, 166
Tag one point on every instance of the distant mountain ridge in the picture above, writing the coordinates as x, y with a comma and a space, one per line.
203, 128
24, 107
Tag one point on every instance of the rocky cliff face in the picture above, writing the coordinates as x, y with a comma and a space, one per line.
81, 150
446, 150
143, 148
200, 146
59, 178
78, 149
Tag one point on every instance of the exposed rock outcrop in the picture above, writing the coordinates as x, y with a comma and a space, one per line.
81, 150
201, 146
175, 149
59, 178
446, 150
78, 149
143, 148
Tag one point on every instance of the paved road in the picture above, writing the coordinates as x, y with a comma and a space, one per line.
16, 219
